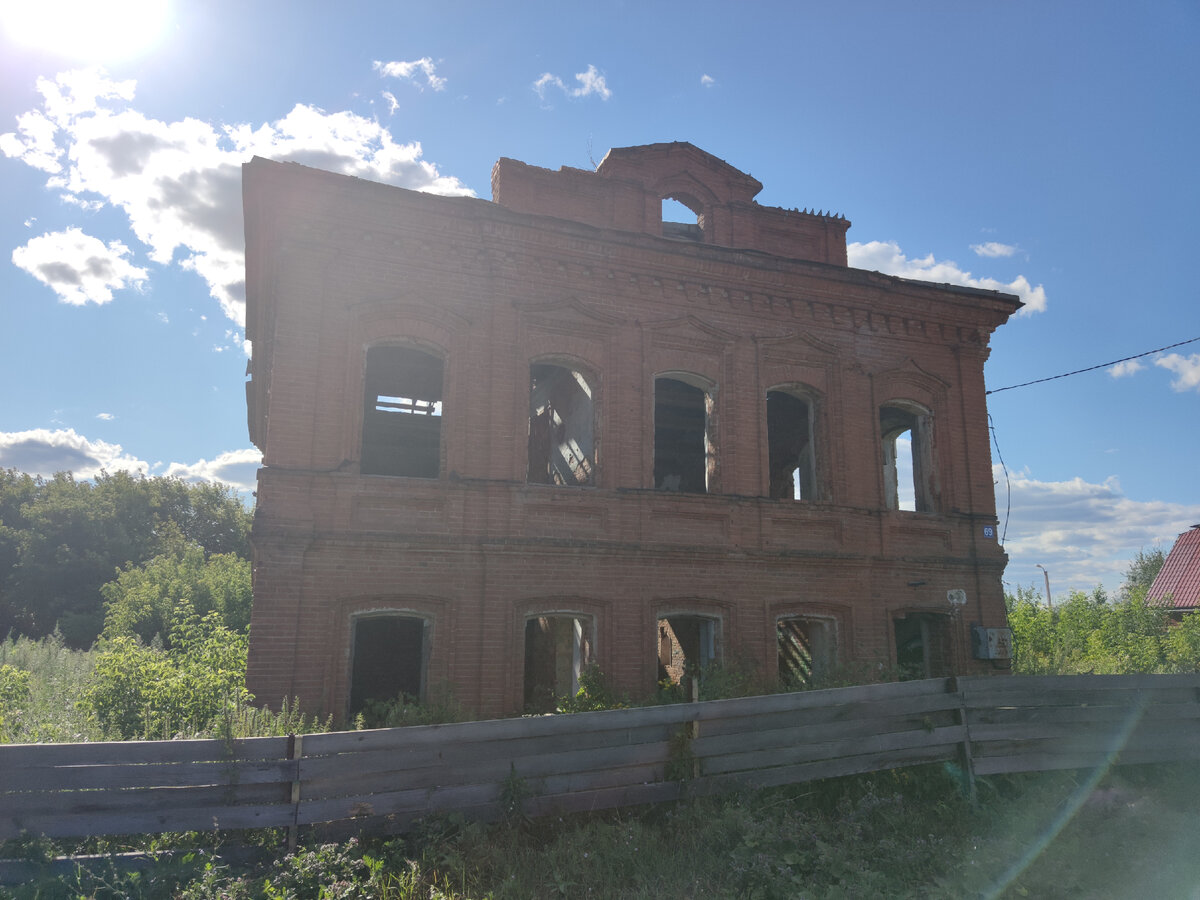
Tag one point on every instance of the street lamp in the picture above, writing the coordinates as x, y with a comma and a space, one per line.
1046, 572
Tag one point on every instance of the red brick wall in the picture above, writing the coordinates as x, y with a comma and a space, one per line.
336, 265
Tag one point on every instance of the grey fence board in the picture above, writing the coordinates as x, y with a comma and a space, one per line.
128, 752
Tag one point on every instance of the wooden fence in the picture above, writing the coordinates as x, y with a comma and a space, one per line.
387, 778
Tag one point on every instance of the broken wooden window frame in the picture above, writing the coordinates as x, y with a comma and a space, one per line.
806, 649
562, 429
403, 387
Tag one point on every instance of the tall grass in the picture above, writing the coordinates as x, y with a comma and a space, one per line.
50, 711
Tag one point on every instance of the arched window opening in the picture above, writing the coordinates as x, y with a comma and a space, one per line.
684, 450
807, 650
909, 474
791, 447
924, 645
562, 427
389, 656
557, 649
680, 222
687, 645
402, 416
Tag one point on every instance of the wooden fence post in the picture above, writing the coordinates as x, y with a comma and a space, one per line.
295, 751
966, 760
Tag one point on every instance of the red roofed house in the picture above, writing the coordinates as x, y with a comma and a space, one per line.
1178, 581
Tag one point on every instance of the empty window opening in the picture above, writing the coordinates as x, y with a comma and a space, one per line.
923, 645
807, 650
909, 475
791, 449
684, 457
687, 645
389, 655
679, 222
562, 427
557, 649
402, 419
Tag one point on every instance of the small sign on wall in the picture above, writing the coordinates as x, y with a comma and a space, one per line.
989, 532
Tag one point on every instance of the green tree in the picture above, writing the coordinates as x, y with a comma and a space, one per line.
1142, 571
141, 600
62, 539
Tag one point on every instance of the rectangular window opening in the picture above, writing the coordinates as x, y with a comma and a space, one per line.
807, 651
684, 452
562, 428
909, 474
924, 645
687, 645
402, 418
389, 659
557, 649
791, 451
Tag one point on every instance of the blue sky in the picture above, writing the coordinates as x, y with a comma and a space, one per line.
1044, 149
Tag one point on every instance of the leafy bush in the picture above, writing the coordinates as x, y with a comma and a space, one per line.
438, 708
1087, 633
593, 694
141, 601
149, 692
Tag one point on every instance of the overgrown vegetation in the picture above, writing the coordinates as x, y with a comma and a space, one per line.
62, 539
907, 833
1091, 633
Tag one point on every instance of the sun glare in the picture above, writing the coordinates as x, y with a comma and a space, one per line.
88, 30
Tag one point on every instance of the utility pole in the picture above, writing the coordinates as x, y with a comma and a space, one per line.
1046, 572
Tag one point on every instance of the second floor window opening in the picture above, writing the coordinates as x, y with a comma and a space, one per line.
684, 452
562, 426
402, 418
791, 448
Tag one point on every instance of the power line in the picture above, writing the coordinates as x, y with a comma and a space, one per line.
1093, 368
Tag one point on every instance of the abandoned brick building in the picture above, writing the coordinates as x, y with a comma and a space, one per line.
503, 440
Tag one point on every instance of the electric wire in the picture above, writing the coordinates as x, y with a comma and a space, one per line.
1007, 482
1093, 368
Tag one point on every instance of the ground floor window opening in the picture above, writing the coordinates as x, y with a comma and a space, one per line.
557, 649
807, 650
389, 656
687, 645
924, 643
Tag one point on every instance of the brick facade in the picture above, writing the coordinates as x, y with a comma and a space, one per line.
575, 397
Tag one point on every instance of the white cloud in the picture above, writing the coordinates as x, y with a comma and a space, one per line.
993, 249
1186, 369
707, 80
393, 103
887, 257
590, 82
79, 268
45, 452
1084, 533
1126, 368
236, 467
179, 183
106, 417
410, 71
